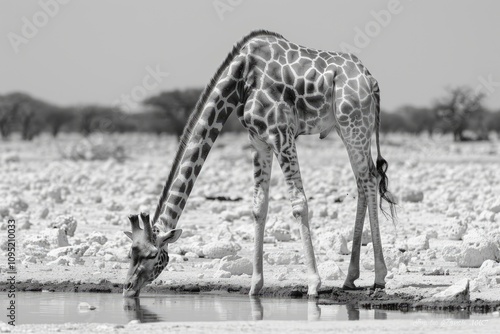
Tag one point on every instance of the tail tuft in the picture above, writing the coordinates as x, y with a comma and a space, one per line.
382, 166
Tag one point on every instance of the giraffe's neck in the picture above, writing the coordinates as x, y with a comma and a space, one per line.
220, 99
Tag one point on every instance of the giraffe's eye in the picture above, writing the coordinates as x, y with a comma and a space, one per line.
151, 256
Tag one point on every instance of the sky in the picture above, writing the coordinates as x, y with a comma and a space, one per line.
119, 51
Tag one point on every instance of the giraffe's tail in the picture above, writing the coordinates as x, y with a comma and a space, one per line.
382, 164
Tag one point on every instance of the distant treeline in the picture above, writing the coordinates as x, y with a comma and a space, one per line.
457, 111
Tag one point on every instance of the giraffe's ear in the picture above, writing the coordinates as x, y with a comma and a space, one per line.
128, 234
169, 237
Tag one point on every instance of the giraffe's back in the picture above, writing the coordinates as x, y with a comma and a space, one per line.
289, 83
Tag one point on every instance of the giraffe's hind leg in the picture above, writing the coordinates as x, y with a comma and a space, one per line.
366, 177
262, 162
353, 271
287, 158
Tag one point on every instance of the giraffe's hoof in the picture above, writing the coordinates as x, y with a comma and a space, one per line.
377, 286
351, 288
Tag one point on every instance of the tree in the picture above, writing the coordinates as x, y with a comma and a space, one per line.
176, 106
418, 120
94, 118
457, 107
6, 118
57, 117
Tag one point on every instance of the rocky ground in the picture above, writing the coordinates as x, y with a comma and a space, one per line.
70, 199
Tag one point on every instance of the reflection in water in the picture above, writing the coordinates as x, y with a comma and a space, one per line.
352, 312
113, 308
257, 309
134, 311
313, 310
380, 315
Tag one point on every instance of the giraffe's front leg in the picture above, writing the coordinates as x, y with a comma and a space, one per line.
290, 166
262, 159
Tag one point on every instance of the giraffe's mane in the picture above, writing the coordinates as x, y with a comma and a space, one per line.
195, 115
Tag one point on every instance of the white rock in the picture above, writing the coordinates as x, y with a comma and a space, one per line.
191, 255
393, 257
97, 237
486, 215
490, 268
222, 274
366, 237
431, 234
236, 265
281, 277
458, 292
78, 251
217, 250
420, 242
99, 264
175, 258
330, 270
17, 204
224, 233
450, 253
66, 260
282, 258
477, 248
56, 237
495, 207
67, 222
270, 240
29, 259
280, 234
10, 157
480, 282
228, 216
194, 247
430, 254
109, 257
456, 229
92, 250
335, 242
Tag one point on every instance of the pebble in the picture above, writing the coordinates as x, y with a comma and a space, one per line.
458, 292
222, 274
219, 249
236, 265
282, 258
418, 243
65, 222
330, 271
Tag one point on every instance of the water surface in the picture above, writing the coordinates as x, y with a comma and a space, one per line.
59, 307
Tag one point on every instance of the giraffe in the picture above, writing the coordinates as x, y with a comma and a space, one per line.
279, 90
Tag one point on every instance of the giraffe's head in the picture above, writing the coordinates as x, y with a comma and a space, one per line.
148, 254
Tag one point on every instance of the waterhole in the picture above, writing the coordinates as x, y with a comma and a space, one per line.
58, 307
